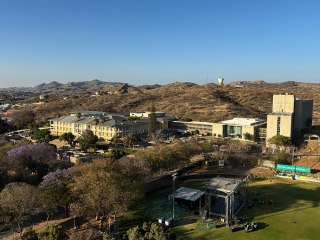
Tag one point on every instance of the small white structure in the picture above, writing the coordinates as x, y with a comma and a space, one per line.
220, 81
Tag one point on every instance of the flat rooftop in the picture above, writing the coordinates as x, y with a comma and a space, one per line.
188, 194
281, 113
87, 112
195, 122
244, 121
226, 185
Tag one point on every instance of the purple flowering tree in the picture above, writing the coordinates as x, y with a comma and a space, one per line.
35, 158
60, 176
55, 191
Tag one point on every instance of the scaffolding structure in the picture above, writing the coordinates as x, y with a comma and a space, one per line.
224, 197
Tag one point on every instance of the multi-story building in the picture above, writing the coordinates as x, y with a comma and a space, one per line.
241, 128
289, 116
106, 126
235, 128
182, 126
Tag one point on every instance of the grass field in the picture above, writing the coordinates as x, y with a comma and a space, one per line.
294, 215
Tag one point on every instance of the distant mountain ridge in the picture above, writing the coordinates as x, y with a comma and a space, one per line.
208, 102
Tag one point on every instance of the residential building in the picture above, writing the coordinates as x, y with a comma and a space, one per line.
289, 116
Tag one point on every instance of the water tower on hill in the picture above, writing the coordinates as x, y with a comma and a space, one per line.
220, 81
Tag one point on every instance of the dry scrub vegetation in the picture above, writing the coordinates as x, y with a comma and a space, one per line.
198, 102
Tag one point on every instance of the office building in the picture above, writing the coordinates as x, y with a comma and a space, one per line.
290, 116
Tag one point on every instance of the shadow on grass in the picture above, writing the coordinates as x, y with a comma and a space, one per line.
286, 198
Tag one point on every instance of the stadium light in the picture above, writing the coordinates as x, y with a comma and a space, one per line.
174, 177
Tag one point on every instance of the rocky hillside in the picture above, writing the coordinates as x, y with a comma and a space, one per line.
199, 102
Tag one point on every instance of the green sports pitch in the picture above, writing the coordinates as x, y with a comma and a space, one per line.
294, 214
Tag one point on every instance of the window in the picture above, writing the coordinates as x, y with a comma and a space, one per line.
278, 125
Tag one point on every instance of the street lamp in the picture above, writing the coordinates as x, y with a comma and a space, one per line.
174, 177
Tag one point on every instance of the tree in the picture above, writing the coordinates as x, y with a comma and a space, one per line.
128, 140
22, 118
116, 140
87, 140
35, 158
281, 157
4, 126
196, 132
116, 153
52, 232
68, 137
29, 234
42, 135
152, 125
104, 188
152, 231
20, 202
55, 186
280, 140
248, 136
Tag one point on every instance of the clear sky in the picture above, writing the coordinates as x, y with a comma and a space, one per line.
158, 41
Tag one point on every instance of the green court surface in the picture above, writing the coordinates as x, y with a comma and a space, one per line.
295, 213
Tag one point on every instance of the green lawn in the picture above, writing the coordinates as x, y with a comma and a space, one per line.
295, 214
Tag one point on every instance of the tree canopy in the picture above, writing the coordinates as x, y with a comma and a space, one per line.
19, 202
104, 187
68, 137
280, 140
87, 140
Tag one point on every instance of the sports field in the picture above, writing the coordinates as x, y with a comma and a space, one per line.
295, 213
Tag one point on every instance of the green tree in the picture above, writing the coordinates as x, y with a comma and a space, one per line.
87, 140
19, 202
152, 231
4, 126
280, 140
247, 136
52, 232
68, 137
48, 201
152, 125
134, 233
42, 135
117, 153
29, 234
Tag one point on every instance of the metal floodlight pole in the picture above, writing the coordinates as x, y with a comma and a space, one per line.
174, 177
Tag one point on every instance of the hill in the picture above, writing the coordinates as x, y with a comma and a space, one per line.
199, 102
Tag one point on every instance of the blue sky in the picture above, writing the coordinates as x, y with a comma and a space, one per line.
158, 41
